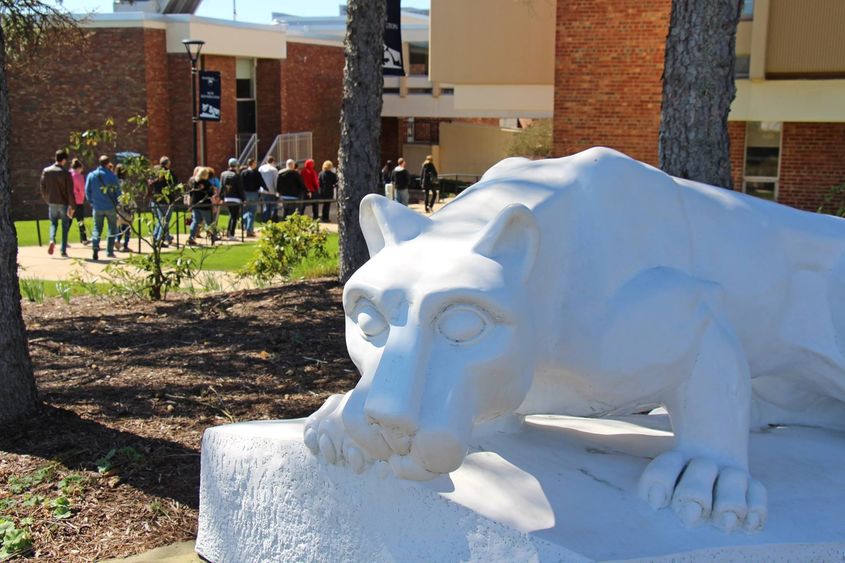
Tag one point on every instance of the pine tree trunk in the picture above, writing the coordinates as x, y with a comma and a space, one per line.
17, 384
360, 125
698, 88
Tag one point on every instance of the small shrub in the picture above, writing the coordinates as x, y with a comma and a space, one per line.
17, 484
61, 508
64, 291
284, 245
117, 457
834, 201
535, 141
14, 541
33, 289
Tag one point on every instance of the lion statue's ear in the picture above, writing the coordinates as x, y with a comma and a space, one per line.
385, 222
512, 238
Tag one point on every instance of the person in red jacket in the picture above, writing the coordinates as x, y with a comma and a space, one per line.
312, 184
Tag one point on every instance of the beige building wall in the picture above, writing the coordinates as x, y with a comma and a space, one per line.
415, 154
471, 149
806, 37
743, 38
492, 42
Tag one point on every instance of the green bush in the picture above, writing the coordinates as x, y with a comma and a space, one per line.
284, 245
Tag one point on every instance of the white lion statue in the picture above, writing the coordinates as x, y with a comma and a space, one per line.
593, 285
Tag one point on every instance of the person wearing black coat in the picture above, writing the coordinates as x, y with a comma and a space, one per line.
291, 186
233, 195
428, 176
328, 182
200, 191
252, 183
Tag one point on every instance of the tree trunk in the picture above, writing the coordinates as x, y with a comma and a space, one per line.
360, 125
698, 88
17, 383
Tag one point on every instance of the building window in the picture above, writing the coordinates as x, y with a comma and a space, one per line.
245, 94
742, 66
762, 159
409, 130
748, 10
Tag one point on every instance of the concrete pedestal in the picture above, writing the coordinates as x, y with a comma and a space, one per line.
561, 489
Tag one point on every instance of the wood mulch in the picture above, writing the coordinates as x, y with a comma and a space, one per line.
143, 380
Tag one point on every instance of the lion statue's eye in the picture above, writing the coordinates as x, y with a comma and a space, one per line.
369, 320
462, 323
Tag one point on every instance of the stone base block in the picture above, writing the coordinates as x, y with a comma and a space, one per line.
560, 489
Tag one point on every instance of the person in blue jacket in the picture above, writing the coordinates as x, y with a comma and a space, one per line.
102, 189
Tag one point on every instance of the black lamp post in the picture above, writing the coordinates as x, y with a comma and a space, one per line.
193, 47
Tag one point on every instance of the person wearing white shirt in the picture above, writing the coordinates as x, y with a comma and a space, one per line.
269, 172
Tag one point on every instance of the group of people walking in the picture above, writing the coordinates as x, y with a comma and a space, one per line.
66, 191
268, 188
244, 190
397, 181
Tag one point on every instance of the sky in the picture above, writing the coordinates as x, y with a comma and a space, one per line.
257, 11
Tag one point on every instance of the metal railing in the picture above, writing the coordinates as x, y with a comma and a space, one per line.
296, 146
249, 150
180, 212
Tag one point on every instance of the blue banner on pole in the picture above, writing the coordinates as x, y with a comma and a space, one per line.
392, 65
209, 95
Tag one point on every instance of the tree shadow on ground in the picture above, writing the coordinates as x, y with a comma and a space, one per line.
241, 354
165, 469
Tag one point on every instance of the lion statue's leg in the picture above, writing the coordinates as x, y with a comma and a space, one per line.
669, 342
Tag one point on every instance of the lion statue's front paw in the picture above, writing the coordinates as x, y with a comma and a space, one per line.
699, 489
326, 436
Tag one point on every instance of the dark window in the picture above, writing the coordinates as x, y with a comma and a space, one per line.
246, 116
762, 161
244, 88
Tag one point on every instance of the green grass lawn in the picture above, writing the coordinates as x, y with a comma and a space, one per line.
232, 258
36, 290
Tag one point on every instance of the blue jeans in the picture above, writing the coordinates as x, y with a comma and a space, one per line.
162, 212
59, 211
197, 217
110, 216
402, 196
250, 207
271, 212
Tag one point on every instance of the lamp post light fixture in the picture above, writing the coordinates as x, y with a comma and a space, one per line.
193, 47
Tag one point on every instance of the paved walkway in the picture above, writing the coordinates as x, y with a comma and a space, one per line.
175, 553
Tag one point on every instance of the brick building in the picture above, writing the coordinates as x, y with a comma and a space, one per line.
596, 67
133, 63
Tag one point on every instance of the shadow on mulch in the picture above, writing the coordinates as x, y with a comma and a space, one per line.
150, 378
61, 435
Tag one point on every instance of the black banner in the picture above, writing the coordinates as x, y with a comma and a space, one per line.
393, 41
209, 95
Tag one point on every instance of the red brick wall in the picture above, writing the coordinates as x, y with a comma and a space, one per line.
608, 67
312, 91
179, 98
268, 86
220, 135
736, 134
812, 160
73, 91
158, 107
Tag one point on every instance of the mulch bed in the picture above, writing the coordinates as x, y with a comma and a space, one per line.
143, 380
